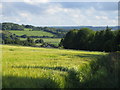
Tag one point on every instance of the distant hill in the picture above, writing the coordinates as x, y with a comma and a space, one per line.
97, 28
14, 26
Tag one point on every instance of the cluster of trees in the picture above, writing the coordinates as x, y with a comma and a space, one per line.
48, 45
25, 36
87, 39
12, 26
39, 41
9, 38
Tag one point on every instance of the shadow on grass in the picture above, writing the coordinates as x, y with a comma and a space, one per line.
83, 56
88, 56
59, 68
27, 82
72, 81
104, 72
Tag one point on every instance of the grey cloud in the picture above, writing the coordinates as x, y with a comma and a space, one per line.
97, 5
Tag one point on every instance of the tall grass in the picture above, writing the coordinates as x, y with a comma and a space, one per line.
28, 67
102, 73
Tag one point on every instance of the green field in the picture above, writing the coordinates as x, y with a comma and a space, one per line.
31, 33
28, 67
54, 41
27, 29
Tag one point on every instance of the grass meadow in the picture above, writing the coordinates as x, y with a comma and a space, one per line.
31, 33
29, 67
54, 41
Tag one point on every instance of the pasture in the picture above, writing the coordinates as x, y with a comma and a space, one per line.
31, 33
29, 67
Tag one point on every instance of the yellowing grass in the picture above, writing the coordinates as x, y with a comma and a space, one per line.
43, 66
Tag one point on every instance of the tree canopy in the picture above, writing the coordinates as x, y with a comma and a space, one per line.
87, 39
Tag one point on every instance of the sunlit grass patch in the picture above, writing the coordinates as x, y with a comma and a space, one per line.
42, 67
31, 33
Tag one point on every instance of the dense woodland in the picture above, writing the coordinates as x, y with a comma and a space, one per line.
87, 39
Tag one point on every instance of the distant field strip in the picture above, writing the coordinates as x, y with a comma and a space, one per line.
54, 41
27, 67
31, 33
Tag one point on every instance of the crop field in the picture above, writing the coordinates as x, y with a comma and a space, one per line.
31, 33
29, 67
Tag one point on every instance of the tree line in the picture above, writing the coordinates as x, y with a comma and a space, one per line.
9, 38
12, 26
87, 39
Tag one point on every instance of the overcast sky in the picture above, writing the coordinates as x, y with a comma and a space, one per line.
61, 13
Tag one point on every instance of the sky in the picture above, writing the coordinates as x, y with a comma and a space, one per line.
60, 13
